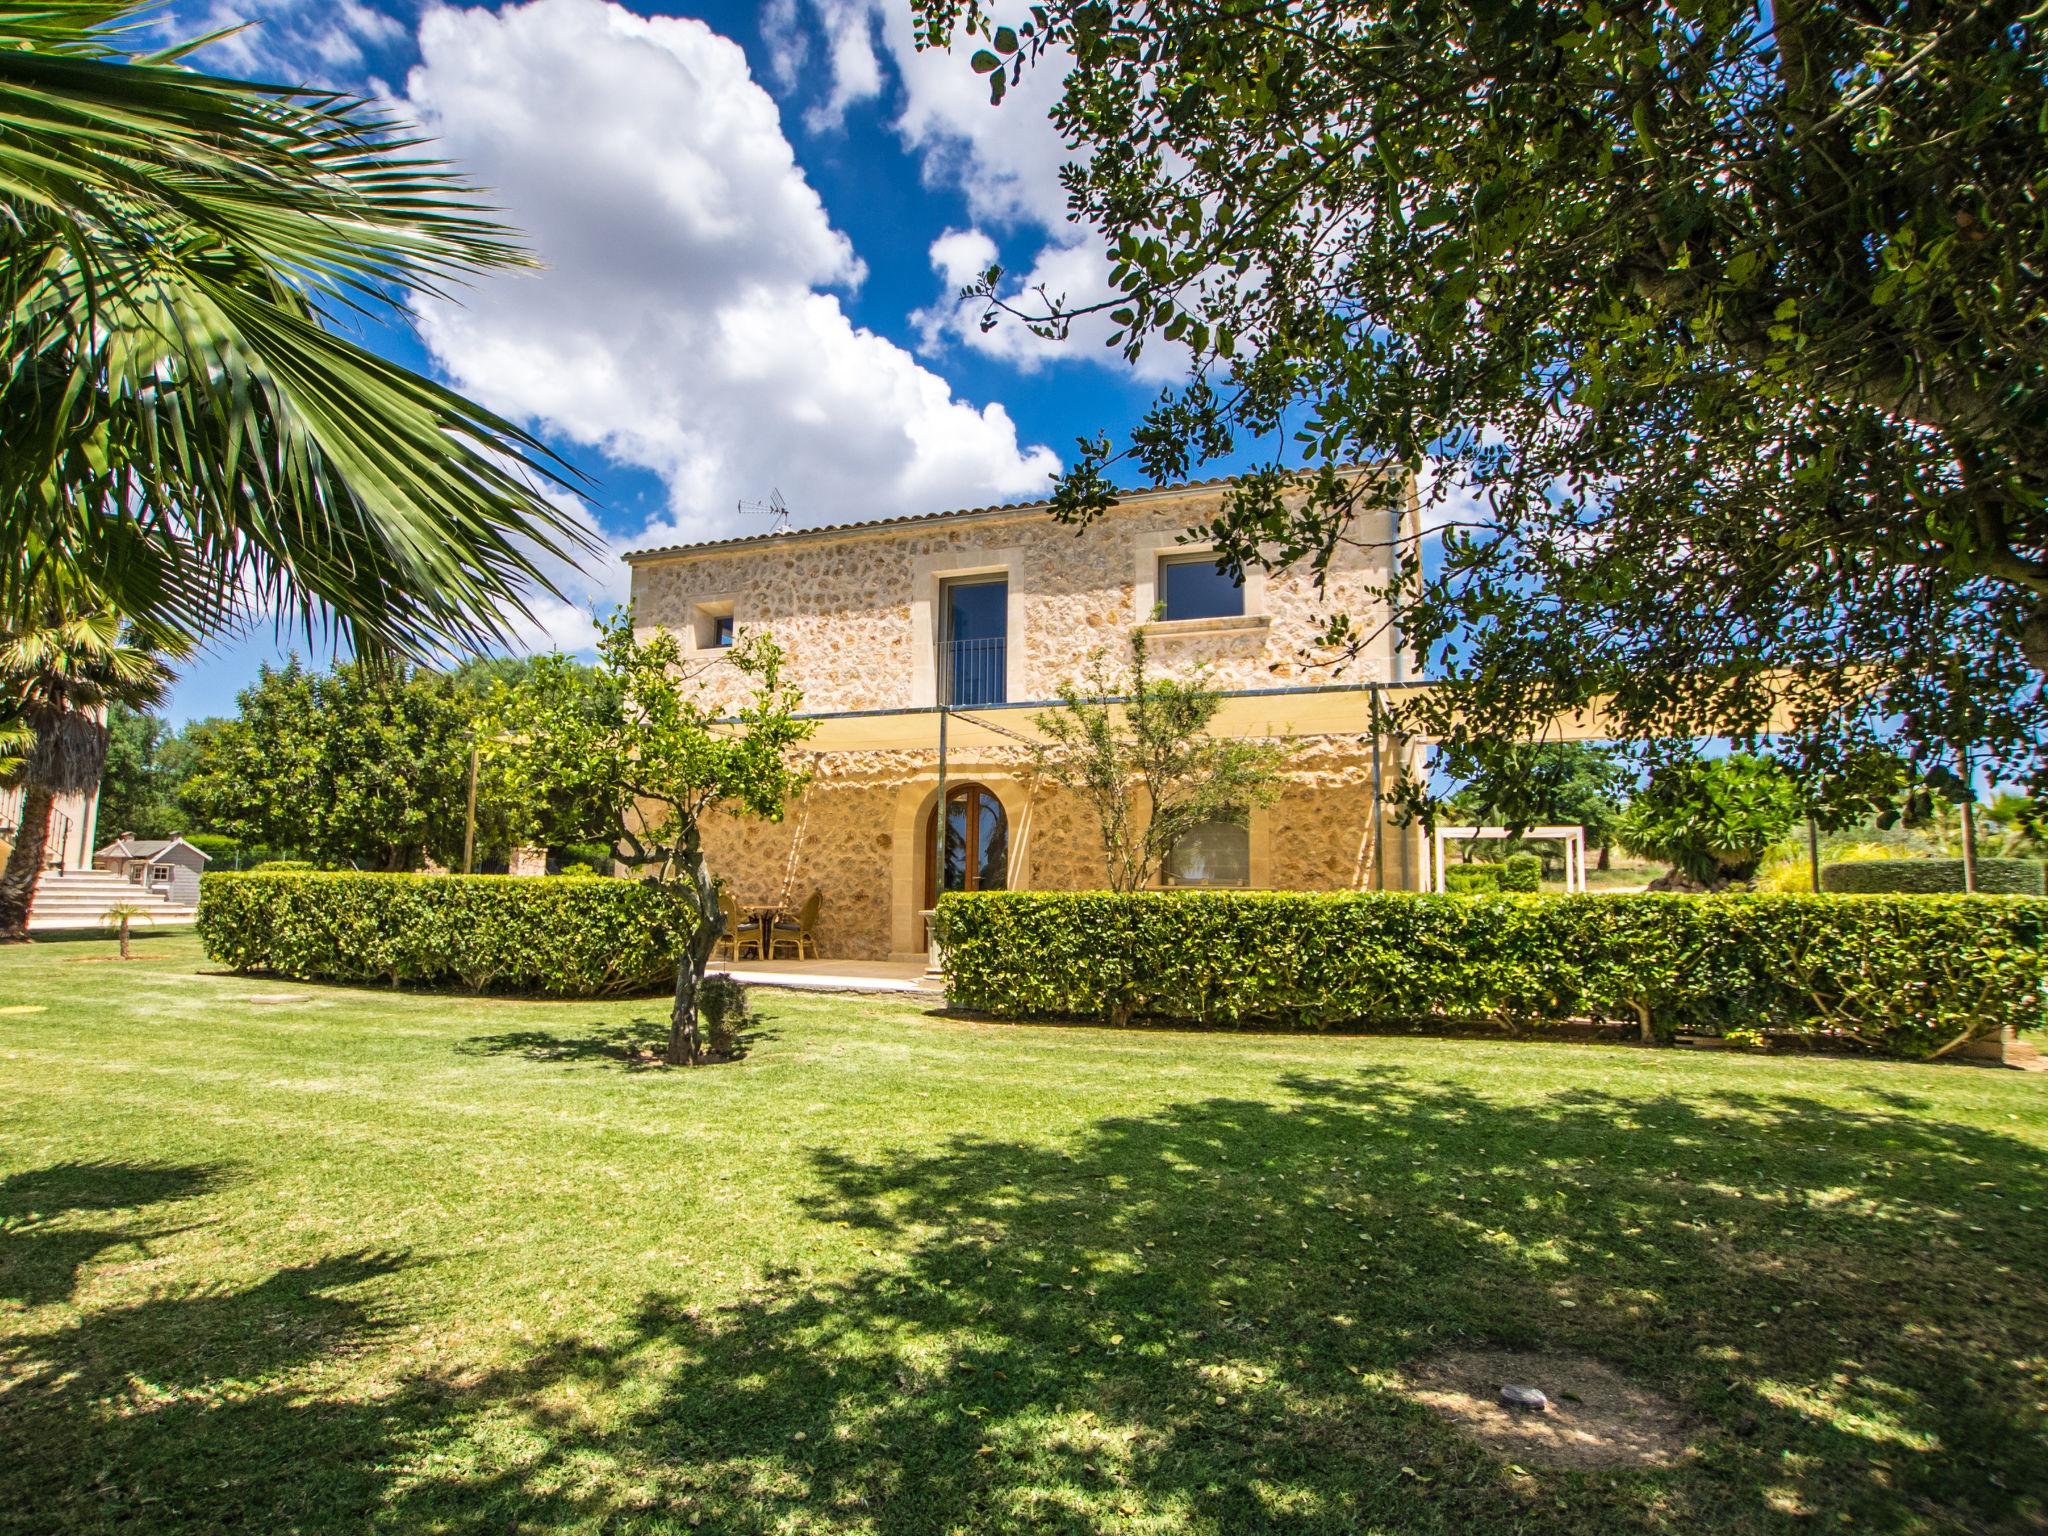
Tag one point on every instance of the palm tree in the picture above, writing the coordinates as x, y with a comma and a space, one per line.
56, 681
184, 436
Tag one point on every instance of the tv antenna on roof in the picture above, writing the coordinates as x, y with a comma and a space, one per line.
774, 507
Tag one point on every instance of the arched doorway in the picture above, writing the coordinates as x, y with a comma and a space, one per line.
977, 843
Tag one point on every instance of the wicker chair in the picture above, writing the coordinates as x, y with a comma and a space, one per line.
795, 933
738, 936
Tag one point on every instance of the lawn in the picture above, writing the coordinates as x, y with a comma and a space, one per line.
289, 1258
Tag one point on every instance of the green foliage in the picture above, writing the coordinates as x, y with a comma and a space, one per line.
726, 1013
1907, 976
187, 430
559, 938
364, 765
576, 872
640, 755
1521, 872
1995, 877
2020, 822
280, 866
1472, 879
548, 776
60, 672
1519, 785
1146, 765
1592, 265
1712, 818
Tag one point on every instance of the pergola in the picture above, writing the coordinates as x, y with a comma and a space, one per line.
1573, 838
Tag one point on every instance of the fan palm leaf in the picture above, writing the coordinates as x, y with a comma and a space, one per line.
183, 430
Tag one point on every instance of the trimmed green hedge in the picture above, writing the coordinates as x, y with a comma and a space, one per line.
1933, 877
559, 938
1908, 976
1517, 872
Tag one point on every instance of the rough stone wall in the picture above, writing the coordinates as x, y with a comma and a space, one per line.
838, 839
841, 607
857, 835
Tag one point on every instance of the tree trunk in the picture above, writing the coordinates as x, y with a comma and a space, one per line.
25, 863
1606, 857
685, 1043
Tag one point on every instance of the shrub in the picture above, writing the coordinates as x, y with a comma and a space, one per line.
722, 1005
576, 872
1471, 879
1522, 872
1908, 976
280, 866
1926, 877
561, 938
1712, 819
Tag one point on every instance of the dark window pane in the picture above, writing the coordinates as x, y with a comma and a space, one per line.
993, 872
1193, 588
977, 610
721, 629
972, 651
1215, 853
956, 843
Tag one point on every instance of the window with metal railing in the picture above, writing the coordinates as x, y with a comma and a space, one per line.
974, 642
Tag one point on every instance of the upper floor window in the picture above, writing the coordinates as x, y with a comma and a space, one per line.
714, 625
974, 642
1190, 587
1212, 853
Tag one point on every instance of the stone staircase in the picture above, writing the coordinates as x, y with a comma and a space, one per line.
79, 898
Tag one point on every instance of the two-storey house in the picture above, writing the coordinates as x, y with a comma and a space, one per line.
925, 646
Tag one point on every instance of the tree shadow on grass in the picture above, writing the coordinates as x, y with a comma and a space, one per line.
1192, 1321
634, 1047
43, 1247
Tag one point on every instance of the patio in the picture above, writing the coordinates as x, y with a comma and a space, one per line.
832, 975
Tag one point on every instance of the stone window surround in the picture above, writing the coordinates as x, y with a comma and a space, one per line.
1149, 549
705, 606
928, 577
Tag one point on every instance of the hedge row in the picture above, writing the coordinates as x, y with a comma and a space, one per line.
1933, 877
560, 938
1908, 976
1518, 872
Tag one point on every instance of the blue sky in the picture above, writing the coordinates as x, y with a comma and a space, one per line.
753, 221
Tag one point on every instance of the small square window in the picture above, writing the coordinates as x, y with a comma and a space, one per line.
1190, 587
714, 625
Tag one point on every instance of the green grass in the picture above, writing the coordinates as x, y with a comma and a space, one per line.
361, 1261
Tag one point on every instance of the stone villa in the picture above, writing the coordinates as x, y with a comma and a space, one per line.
957, 628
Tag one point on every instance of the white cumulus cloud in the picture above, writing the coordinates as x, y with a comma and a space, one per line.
1003, 160
688, 319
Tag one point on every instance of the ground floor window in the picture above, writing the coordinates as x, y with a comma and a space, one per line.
1213, 853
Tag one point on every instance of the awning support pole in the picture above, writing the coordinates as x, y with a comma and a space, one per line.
1379, 815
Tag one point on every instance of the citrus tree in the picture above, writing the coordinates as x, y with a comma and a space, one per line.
638, 757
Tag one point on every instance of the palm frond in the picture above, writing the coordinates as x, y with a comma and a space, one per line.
180, 428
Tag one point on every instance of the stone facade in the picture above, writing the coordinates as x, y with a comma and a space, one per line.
855, 610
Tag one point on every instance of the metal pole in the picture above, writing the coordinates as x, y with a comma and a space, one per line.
1813, 854
1969, 823
469, 817
1379, 815
939, 824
